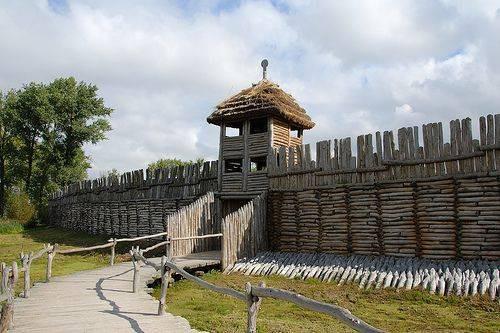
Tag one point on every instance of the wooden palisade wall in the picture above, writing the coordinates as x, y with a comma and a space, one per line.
244, 231
196, 219
132, 205
438, 201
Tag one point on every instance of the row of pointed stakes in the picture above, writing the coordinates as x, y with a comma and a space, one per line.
459, 277
371, 158
177, 175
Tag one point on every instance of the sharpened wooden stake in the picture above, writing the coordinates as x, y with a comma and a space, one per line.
253, 303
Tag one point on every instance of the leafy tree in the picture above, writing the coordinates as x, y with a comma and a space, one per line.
42, 132
8, 146
172, 162
80, 115
32, 118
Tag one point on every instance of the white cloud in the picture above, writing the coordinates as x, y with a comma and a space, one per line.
356, 66
404, 110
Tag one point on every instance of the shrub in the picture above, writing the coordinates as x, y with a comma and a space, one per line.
19, 207
10, 226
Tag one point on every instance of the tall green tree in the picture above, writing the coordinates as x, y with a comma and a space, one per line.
80, 115
32, 114
42, 132
5, 137
9, 146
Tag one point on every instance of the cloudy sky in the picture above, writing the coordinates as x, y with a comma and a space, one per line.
355, 66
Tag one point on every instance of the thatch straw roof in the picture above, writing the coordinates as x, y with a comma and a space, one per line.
264, 98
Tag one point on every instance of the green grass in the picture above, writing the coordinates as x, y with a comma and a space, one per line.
12, 244
10, 227
403, 311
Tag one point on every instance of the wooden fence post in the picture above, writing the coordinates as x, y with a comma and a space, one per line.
50, 257
168, 253
112, 259
3, 283
7, 315
135, 262
26, 262
253, 303
165, 274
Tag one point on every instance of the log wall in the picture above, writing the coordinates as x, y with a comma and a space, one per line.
131, 205
440, 200
458, 217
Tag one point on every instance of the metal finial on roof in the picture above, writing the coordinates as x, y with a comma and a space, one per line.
264, 64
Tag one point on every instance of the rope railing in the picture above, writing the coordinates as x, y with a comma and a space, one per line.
10, 274
253, 294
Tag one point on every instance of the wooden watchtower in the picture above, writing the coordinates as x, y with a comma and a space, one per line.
253, 123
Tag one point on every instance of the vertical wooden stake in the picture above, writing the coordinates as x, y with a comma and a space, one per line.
112, 259
165, 272
253, 303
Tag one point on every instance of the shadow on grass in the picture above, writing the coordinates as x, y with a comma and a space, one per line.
71, 238
63, 237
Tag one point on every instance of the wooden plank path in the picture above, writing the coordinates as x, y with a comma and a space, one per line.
101, 300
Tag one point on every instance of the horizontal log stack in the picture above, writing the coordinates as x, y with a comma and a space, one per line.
453, 218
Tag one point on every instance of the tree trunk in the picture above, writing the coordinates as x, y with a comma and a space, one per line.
31, 154
2, 186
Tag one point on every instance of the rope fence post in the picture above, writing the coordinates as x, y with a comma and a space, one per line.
165, 273
3, 283
9, 279
50, 257
169, 248
136, 263
26, 262
253, 303
112, 259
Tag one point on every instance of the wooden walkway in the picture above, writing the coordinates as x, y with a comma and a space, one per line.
101, 301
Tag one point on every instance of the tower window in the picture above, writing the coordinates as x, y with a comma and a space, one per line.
258, 125
296, 132
258, 163
233, 165
234, 129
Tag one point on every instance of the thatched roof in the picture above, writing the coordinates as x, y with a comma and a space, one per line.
263, 98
